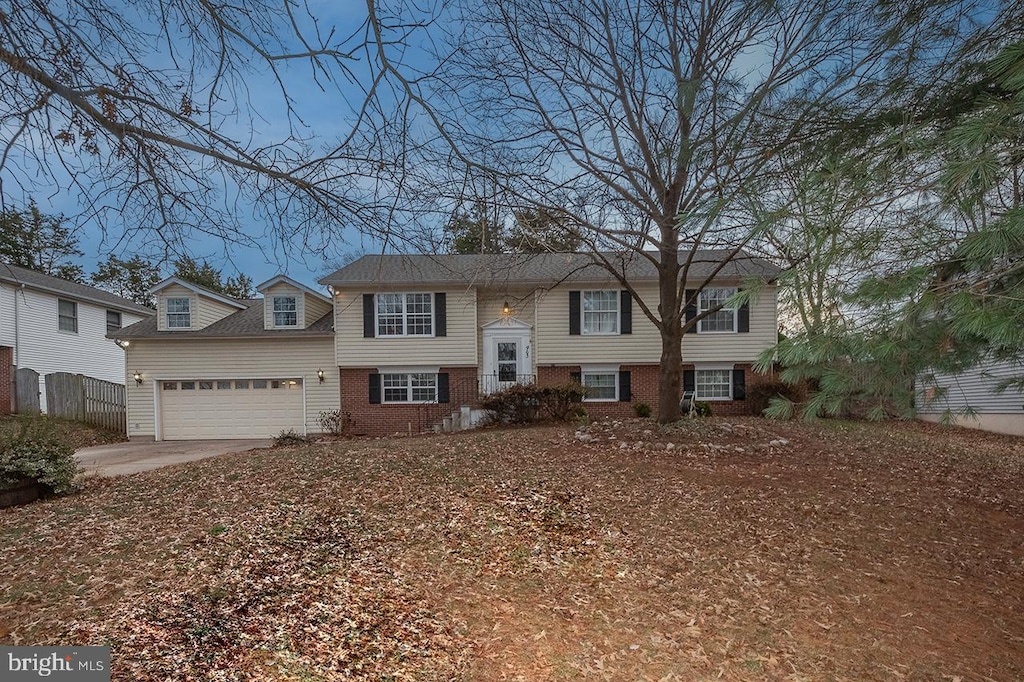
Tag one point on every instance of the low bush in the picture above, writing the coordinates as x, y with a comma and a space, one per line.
290, 437
643, 410
336, 422
39, 454
760, 395
563, 402
526, 403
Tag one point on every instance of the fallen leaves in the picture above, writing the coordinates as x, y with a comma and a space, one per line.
746, 550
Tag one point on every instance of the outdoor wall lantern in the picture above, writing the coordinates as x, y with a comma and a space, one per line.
320, 375
138, 378
505, 309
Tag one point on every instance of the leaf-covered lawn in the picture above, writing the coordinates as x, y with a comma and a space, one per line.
738, 549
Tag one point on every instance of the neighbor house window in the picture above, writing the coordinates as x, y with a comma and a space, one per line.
286, 311
723, 320
67, 316
600, 312
713, 384
600, 385
405, 314
409, 388
113, 321
179, 313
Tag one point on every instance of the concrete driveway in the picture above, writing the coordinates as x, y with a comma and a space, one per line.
135, 456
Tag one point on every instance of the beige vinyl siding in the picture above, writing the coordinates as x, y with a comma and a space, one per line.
204, 311
522, 303
315, 308
176, 291
211, 311
554, 345
282, 289
458, 348
275, 358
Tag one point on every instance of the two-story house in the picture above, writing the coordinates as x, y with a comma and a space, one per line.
49, 325
415, 329
402, 339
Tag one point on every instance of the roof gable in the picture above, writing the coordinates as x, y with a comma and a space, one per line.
284, 279
202, 291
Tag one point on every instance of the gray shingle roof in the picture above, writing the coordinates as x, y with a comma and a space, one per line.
246, 323
546, 268
17, 275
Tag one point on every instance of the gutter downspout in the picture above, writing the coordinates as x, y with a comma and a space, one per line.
17, 339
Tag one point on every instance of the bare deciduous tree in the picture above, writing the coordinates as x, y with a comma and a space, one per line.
658, 120
180, 118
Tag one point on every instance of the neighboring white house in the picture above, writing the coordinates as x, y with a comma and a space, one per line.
973, 398
52, 325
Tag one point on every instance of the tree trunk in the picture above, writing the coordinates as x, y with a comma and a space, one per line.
670, 373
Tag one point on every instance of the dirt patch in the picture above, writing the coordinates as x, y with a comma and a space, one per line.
732, 549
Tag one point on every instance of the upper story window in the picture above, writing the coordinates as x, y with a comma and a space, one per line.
405, 315
67, 316
723, 320
600, 312
286, 311
179, 313
113, 321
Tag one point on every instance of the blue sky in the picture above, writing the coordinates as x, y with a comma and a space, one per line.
326, 115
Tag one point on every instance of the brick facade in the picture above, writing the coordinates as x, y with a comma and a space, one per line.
404, 419
6, 379
644, 379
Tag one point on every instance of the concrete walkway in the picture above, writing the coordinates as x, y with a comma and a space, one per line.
135, 456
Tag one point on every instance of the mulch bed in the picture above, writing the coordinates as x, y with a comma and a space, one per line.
719, 548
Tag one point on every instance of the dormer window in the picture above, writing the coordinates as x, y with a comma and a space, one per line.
179, 313
286, 311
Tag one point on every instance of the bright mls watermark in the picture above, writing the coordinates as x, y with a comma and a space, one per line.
78, 663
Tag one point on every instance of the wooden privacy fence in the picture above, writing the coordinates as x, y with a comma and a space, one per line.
26, 391
93, 401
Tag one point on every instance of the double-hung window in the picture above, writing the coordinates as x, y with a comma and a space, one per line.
113, 321
67, 316
600, 312
713, 384
405, 314
286, 311
179, 313
601, 385
723, 320
409, 388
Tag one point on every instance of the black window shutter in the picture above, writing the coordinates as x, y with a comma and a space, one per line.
625, 387
689, 380
375, 385
440, 315
369, 317
576, 377
442, 388
691, 309
574, 313
739, 384
743, 318
626, 313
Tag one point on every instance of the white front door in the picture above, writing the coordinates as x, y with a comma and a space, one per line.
506, 359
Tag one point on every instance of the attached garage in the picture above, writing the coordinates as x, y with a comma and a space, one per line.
229, 408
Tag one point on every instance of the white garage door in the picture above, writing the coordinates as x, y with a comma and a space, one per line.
230, 408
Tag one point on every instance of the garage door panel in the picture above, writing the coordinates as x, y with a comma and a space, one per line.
221, 408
